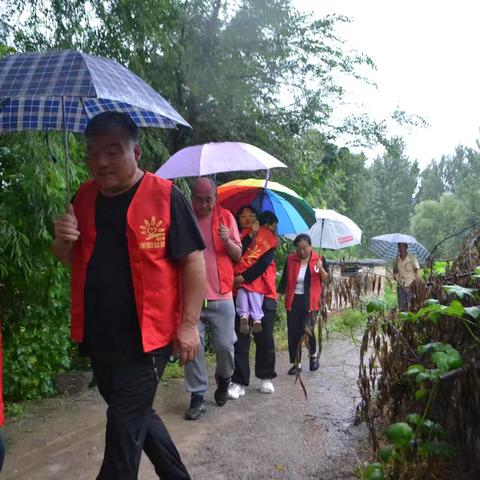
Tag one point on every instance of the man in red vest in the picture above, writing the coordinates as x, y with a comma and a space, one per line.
138, 279
223, 248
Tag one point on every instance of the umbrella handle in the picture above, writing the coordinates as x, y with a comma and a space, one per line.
66, 156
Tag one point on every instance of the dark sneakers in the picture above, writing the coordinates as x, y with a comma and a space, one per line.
221, 393
314, 365
197, 408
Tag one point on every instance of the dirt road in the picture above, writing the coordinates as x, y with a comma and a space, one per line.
279, 436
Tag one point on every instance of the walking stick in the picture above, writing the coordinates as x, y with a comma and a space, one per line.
318, 320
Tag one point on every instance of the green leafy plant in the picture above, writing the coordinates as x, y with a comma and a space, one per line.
348, 321
376, 305
374, 471
461, 292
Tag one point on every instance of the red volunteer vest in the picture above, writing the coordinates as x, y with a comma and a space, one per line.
156, 279
293, 268
224, 262
264, 241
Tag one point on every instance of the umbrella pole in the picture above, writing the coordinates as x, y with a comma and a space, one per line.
321, 232
217, 203
267, 178
65, 153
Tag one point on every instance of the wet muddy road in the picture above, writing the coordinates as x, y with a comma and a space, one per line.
279, 436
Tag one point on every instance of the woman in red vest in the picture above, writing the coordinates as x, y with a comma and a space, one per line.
302, 282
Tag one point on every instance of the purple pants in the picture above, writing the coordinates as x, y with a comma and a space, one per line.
249, 304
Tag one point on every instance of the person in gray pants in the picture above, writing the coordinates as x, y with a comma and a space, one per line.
223, 248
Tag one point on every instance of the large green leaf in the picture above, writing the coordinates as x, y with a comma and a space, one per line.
473, 312
431, 347
373, 472
460, 292
440, 449
386, 453
376, 305
455, 309
414, 369
399, 434
414, 419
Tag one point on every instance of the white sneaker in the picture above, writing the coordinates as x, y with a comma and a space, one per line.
266, 386
235, 391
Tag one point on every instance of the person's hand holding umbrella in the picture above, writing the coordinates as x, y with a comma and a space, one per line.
223, 233
66, 234
319, 269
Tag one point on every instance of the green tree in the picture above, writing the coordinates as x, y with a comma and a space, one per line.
33, 286
452, 173
228, 67
448, 200
327, 176
389, 191
435, 220
432, 181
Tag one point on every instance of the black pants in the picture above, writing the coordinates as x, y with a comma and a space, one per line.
265, 348
2, 453
298, 318
129, 389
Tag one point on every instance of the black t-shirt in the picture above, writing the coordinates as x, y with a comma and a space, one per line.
111, 323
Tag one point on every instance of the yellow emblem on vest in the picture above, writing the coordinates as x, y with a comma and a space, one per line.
154, 233
252, 256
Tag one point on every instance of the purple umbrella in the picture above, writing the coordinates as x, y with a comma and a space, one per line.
217, 157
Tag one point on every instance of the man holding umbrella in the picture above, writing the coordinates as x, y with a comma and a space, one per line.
223, 248
405, 272
138, 280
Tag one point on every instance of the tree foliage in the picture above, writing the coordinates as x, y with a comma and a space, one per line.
258, 71
389, 194
448, 200
33, 287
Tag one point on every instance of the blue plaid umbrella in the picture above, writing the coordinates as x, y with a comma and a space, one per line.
387, 246
62, 90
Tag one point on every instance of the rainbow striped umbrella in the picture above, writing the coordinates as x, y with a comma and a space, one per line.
294, 214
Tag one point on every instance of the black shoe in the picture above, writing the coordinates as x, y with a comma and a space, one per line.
294, 370
221, 393
314, 365
197, 408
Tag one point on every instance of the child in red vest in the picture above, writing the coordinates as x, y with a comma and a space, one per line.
247, 224
250, 296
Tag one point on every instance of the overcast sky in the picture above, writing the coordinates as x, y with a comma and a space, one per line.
427, 57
